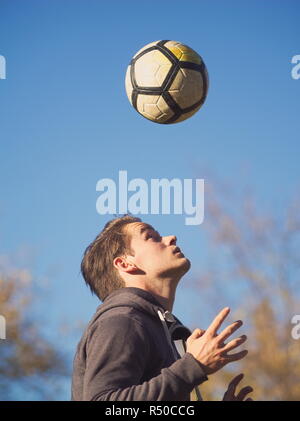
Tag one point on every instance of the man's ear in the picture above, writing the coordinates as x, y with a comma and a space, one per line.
121, 263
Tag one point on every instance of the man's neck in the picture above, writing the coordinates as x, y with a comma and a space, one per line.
163, 292
166, 302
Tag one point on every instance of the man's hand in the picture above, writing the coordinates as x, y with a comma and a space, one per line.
208, 346
230, 392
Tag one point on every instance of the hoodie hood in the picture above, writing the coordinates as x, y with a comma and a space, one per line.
144, 302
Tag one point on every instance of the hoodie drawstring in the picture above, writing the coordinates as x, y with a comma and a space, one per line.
162, 318
167, 315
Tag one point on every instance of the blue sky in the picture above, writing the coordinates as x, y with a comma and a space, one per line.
65, 123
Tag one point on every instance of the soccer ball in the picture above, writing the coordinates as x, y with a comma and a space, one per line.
166, 82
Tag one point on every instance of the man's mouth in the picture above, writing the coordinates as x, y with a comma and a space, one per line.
177, 250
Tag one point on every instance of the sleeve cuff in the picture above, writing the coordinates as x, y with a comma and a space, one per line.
189, 370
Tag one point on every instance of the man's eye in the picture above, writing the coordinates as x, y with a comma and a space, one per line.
154, 236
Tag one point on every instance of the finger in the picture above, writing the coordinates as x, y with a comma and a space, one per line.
235, 381
235, 357
230, 392
228, 396
243, 393
229, 330
249, 399
196, 334
201, 332
218, 320
234, 343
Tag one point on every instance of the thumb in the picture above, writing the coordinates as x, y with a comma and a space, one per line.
197, 333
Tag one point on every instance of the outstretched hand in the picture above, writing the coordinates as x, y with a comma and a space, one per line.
209, 348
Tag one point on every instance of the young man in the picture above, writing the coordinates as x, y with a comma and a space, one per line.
127, 351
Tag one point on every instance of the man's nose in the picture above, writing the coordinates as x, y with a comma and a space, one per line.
171, 240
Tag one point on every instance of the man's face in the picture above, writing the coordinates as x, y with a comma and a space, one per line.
157, 256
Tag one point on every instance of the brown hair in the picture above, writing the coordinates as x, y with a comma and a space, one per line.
97, 264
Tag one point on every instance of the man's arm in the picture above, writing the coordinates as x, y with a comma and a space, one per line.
117, 355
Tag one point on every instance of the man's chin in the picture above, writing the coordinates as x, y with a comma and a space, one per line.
186, 264
183, 266
177, 270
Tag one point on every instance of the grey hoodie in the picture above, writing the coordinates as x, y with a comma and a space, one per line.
127, 353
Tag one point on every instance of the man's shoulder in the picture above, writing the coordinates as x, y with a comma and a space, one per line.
123, 315
124, 325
